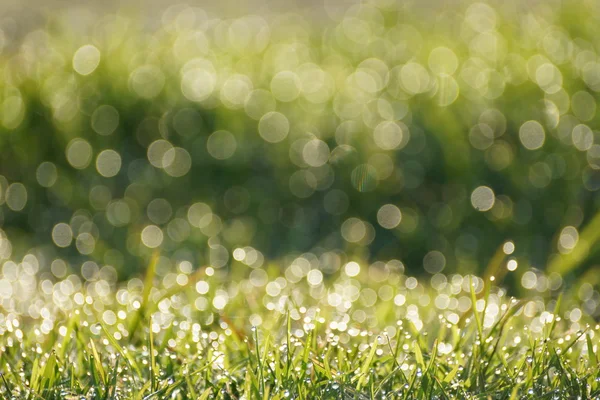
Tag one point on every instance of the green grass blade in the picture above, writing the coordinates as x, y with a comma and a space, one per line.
591, 353
364, 371
475, 312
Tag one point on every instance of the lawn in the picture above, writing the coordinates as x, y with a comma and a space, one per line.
377, 201
373, 333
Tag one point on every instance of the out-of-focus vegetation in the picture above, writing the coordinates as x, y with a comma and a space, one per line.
283, 206
375, 136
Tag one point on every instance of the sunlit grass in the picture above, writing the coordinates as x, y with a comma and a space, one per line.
389, 205
377, 132
376, 334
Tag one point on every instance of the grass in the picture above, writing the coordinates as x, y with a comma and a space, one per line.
243, 340
363, 139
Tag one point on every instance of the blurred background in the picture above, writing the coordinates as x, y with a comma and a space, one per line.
430, 137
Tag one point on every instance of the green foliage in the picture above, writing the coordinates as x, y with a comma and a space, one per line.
421, 352
271, 207
378, 134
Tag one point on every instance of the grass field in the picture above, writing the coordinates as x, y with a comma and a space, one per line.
389, 201
374, 333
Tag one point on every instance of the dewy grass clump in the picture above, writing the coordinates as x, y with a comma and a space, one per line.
374, 334
385, 202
